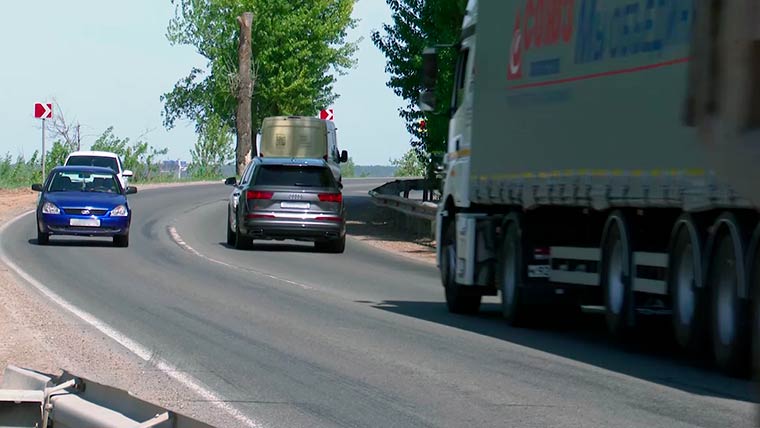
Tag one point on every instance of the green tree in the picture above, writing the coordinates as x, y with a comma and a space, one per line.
418, 24
348, 169
212, 150
57, 155
139, 157
297, 48
409, 165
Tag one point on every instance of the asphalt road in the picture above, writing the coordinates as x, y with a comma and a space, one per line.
295, 338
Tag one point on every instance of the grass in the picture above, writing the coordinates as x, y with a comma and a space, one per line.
20, 173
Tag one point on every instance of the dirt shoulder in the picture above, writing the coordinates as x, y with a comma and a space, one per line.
379, 227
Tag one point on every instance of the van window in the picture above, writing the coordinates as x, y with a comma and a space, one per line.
294, 140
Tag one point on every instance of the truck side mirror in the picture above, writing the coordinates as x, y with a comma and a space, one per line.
429, 68
343, 156
427, 99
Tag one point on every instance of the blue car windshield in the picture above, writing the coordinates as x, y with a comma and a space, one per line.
84, 182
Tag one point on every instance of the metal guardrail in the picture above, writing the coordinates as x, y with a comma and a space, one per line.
395, 195
32, 399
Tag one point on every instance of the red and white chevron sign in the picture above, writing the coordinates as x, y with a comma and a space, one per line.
327, 114
43, 110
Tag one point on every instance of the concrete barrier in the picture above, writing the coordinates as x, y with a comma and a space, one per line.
32, 399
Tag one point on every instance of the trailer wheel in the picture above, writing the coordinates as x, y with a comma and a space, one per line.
510, 276
616, 276
753, 263
459, 299
689, 302
725, 278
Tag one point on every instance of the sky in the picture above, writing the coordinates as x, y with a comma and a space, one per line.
107, 63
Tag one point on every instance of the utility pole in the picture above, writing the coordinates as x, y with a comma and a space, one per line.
79, 144
244, 94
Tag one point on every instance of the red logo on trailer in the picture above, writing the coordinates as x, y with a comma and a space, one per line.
515, 52
540, 24
43, 110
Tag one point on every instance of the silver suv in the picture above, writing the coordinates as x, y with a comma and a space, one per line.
283, 198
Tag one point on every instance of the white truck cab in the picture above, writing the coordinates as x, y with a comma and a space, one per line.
457, 160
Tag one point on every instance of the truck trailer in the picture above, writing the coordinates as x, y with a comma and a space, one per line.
604, 154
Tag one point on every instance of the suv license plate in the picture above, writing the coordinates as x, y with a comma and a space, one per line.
295, 205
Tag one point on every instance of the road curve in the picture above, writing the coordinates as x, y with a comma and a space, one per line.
295, 338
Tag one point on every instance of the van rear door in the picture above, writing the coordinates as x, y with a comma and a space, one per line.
293, 138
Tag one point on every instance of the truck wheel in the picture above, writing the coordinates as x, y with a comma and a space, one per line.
616, 277
511, 278
458, 300
729, 335
685, 284
754, 283
230, 231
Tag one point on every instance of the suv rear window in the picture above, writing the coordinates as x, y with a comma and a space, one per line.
300, 176
94, 161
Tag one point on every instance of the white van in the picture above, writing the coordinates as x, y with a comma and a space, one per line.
302, 137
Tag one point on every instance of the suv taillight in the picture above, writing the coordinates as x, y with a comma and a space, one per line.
254, 194
331, 197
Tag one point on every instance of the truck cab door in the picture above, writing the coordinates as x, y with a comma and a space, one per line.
457, 181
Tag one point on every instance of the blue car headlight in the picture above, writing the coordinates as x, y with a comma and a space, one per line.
50, 208
120, 211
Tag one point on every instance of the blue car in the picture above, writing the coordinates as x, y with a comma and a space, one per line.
83, 201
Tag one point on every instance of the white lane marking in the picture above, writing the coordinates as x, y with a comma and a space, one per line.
141, 351
177, 238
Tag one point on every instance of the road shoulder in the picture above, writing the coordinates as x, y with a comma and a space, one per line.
36, 334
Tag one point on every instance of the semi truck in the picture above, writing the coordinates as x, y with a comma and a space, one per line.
604, 154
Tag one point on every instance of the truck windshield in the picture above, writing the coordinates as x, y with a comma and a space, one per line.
300, 176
